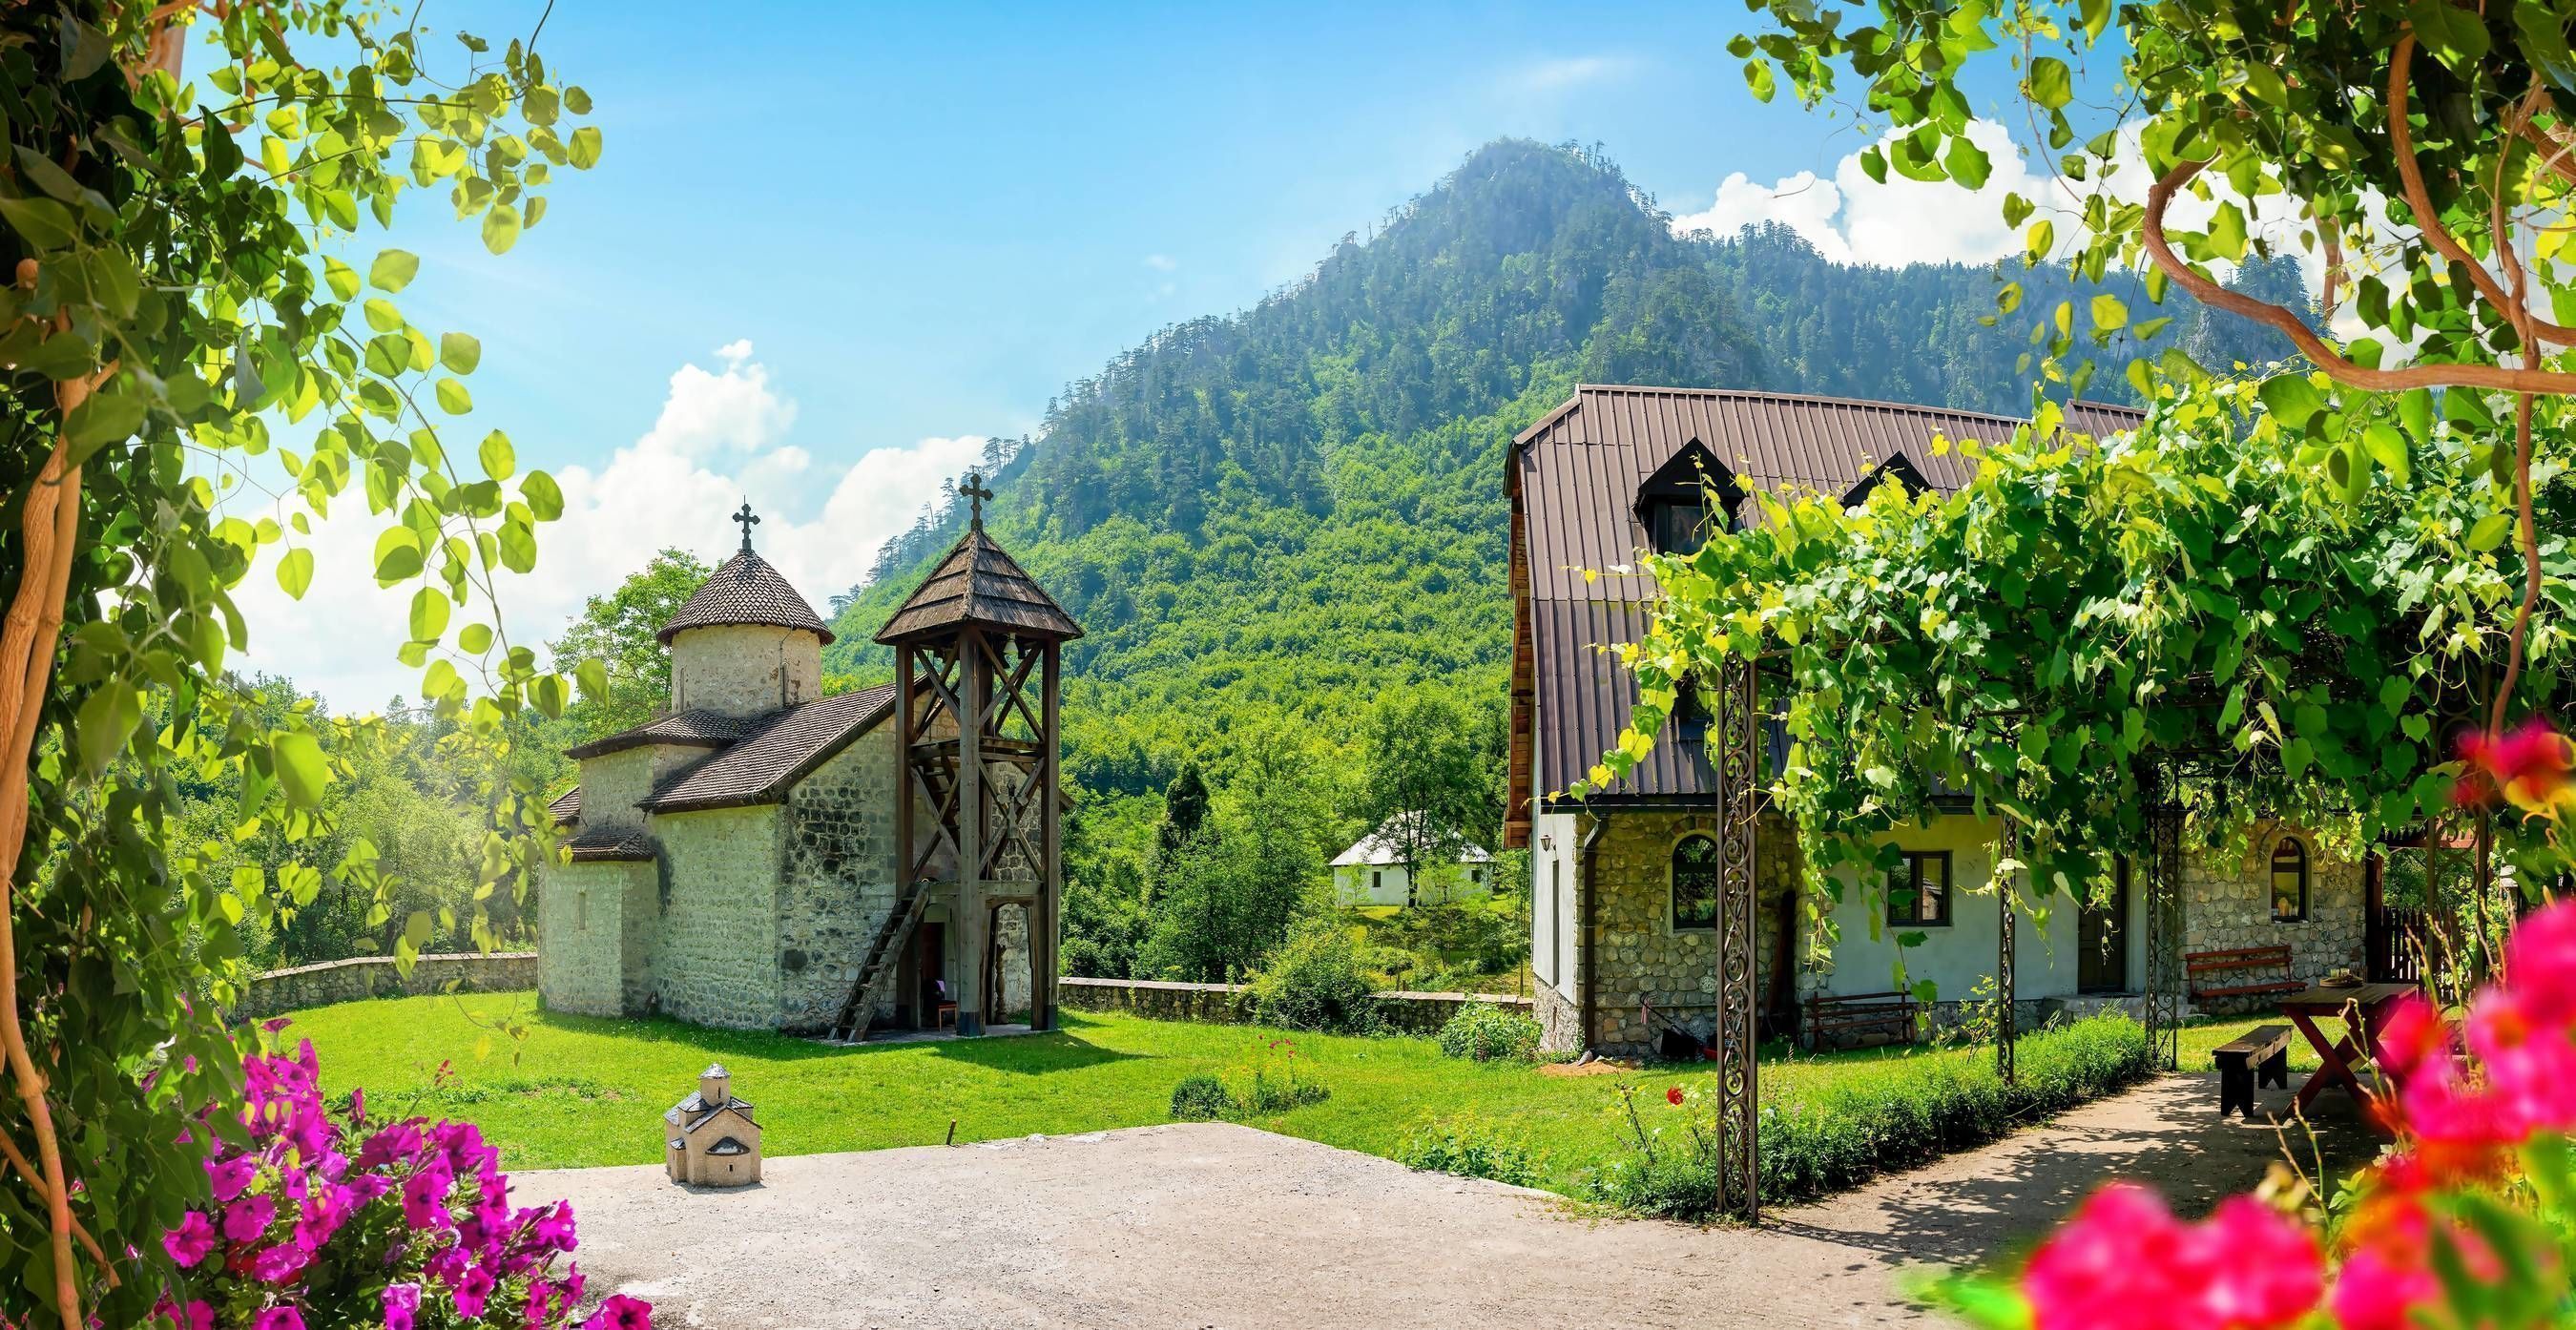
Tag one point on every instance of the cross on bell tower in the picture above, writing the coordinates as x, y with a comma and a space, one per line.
976, 494
748, 522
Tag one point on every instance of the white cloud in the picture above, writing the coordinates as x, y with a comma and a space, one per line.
716, 441
1557, 75
1161, 262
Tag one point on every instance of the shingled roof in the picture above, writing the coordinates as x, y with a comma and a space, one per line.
610, 846
696, 727
786, 746
566, 807
980, 584
746, 590
1573, 480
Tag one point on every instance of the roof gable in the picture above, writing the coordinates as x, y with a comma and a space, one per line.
784, 747
979, 584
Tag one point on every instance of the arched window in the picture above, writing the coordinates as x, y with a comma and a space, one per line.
2289, 881
1695, 883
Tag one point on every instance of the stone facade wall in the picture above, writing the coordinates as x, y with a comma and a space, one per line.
613, 784
279, 991
715, 955
838, 882
2227, 904
745, 670
581, 927
1639, 955
1230, 1004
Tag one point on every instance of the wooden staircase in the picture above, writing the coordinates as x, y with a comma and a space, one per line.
884, 961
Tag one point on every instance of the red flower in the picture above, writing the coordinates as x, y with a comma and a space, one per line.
1673, 1096
2125, 1263
2528, 768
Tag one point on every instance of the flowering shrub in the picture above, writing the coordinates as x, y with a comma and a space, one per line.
2469, 1220
411, 1229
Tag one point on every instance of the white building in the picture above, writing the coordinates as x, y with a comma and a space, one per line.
1372, 872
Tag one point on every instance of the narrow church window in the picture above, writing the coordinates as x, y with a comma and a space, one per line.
1377, 878
1695, 885
581, 910
2289, 881
1918, 892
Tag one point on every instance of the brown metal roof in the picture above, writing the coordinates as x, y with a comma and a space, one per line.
787, 745
1573, 480
980, 584
696, 727
746, 590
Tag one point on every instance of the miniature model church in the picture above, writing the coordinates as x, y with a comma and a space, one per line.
710, 1139
763, 856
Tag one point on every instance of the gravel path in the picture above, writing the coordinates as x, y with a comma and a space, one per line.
1211, 1225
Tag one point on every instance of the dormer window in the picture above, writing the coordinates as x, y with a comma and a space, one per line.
1898, 469
1689, 498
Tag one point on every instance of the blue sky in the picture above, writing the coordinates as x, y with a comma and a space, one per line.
907, 228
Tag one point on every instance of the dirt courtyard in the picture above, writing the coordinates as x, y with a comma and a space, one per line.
1202, 1226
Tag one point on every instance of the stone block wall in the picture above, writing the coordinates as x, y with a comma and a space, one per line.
613, 784
715, 955
839, 880
1230, 1004
581, 927
280, 991
2227, 904
1639, 955
745, 669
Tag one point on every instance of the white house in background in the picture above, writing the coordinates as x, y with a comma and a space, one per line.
1372, 872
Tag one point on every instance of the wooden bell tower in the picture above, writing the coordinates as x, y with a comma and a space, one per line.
978, 683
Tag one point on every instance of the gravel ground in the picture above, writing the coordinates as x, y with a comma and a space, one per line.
1213, 1225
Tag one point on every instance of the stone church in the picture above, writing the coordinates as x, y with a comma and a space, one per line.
740, 860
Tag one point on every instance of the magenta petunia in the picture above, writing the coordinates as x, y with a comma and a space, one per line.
402, 1306
246, 1219
230, 1176
278, 1318
621, 1312
192, 1241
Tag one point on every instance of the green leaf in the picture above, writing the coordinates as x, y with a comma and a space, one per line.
429, 610
393, 270
102, 418
2490, 531
342, 277
106, 718
592, 677
2387, 447
500, 460
584, 147
295, 571
382, 315
453, 399
576, 100
2109, 312
2544, 42
398, 555
302, 771
2455, 34
1967, 162
2292, 399
459, 353
543, 496
1757, 79
2052, 83
501, 228
474, 639
47, 225
2227, 231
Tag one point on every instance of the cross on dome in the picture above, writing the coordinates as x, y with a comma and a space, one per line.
976, 494
748, 522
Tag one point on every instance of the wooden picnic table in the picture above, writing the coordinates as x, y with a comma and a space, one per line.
2364, 1009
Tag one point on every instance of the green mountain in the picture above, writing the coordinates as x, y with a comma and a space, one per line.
1269, 518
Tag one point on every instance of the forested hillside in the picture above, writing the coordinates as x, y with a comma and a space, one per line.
1267, 520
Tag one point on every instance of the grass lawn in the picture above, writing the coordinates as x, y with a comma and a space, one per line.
583, 1091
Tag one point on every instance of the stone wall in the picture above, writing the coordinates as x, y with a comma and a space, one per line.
745, 670
715, 955
1639, 955
1230, 1004
839, 880
279, 991
580, 924
614, 783
2227, 904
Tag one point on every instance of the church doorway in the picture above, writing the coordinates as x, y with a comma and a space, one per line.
931, 996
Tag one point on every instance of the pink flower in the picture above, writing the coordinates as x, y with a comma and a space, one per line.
195, 1316
621, 1312
230, 1176
247, 1218
278, 1264
2125, 1263
402, 1304
2528, 768
278, 1318
192, 1241
424, 1197
471, 1292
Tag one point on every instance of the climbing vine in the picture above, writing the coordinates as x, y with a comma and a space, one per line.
2085, 613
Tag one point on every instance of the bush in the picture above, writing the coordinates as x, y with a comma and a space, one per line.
1909, 1112
1316, 982
1201, 1098
1484, 1031
1469, 1148
311, 1225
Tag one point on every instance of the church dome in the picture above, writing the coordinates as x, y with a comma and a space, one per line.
745, 591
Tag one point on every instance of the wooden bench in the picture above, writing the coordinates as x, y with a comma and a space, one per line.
1846, 1013
2226, 964
2260, 1053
